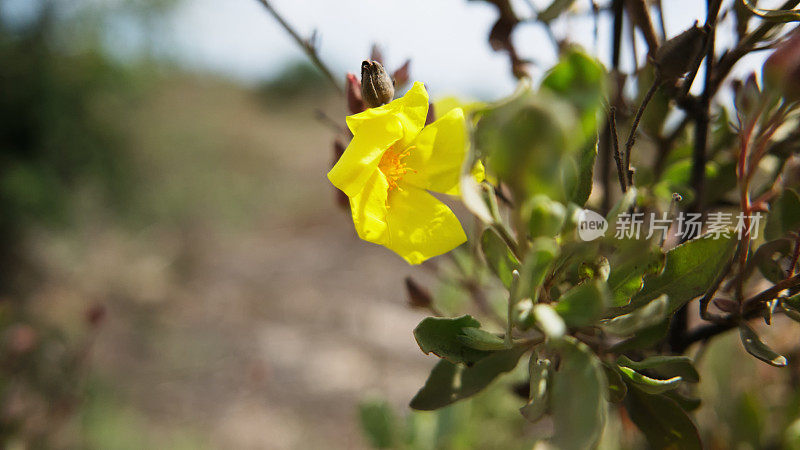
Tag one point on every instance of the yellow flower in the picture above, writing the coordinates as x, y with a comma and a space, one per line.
390, 165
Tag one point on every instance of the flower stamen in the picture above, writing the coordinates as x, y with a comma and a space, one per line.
393, 167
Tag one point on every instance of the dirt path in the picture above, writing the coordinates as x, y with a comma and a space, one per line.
242, 311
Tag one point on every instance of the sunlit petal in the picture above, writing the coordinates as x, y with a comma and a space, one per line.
360, 159
369, 209
420, 226
436, 156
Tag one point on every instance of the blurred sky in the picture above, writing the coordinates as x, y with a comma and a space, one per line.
446, 39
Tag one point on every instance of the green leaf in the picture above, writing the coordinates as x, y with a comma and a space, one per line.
440, 336
580, 79
623, 204
617, 389
643, 339
686, 403
647, 384
554, 10
577, 403
670, 365
449, 383
539, 371
791, 307
688, 271
676, 179
499, 257
546, 217
757, 348
527, 140
481, 340
663, 422
627, 278
537, 262
581, 182
784, 216
763, 259
584, 304
379, 423
646, 316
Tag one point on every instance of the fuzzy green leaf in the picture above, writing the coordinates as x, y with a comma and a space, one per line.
646, 316
481, 339
449, 383
578, 406
500, 259
688, 271
784, 216
440, 336
759, 349
647, 384
539, 371
668, 365
663, 422
584, 304
617, 389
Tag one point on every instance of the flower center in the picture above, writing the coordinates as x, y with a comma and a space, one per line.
393, 167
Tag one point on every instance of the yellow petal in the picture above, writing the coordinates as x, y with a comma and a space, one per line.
360, 159
438, 154
445, 104
369, 209
420, 226
411, 109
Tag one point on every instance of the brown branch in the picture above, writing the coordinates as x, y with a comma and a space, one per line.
621, 173
632, 136
640, 17
751, 311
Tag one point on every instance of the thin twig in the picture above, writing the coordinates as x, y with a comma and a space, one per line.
632, 136
307, 45
323, 118
612, 124
752, 311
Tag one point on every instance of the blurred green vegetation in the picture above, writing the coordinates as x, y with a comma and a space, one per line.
60, 140
297, 79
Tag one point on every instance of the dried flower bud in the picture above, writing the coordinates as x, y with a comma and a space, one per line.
418, 296
355, 104
782, 69
675, 57
376, 86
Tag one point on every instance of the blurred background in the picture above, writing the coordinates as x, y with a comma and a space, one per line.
174, 269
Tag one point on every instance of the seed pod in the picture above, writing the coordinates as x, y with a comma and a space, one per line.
675, 57
376, 86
